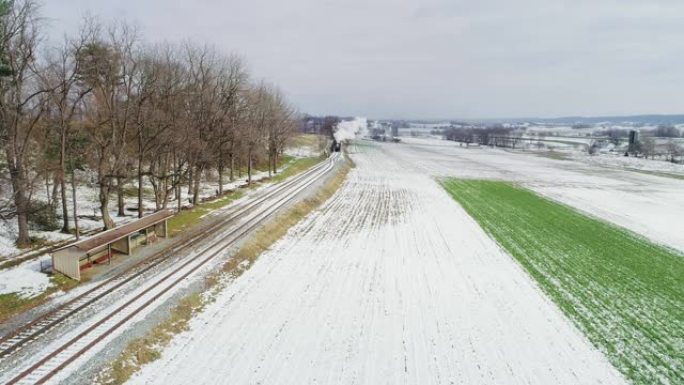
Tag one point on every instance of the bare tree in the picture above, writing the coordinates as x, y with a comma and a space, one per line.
160, 129
232, 81
66, 97
674, 150
22, 102
282, 125
108, 67
257, 120
648, 147
105, 104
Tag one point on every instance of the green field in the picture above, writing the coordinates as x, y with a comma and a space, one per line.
625, 293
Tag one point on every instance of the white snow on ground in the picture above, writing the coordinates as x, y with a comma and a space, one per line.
302, 151
8, 235
620, 161
646, 204
25, 279
88, 205
390, 282
7, 238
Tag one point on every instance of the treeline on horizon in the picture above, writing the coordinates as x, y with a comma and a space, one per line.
498, 135
127, 111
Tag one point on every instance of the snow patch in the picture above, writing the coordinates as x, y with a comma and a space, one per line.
25, 280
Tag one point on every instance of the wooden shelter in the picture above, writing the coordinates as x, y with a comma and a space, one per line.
73, 258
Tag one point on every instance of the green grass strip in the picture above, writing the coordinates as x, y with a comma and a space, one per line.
296, 166
188, 218
625, 293
185, 219
14, 303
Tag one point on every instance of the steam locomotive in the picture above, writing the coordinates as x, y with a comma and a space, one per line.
335, 146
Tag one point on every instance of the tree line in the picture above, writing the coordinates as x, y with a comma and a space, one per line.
129, 112
495, 135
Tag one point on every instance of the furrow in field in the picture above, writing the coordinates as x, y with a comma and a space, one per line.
389, 282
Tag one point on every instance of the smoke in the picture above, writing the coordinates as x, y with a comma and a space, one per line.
349, 129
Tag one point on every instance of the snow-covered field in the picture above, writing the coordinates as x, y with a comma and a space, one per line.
390, 282
629, 163
650, 205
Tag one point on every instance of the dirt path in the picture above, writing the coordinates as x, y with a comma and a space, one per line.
390, 282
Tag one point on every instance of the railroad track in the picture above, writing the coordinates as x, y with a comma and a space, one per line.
29, 332
143, 296
16, 339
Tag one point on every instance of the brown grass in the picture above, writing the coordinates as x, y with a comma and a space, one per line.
148, 348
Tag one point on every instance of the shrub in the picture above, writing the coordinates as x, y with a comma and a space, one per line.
43, 217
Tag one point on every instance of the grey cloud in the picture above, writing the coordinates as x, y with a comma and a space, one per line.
436, 58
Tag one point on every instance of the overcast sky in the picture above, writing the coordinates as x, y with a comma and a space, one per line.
433, 58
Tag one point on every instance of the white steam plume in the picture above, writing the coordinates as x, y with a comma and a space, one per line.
347, 130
